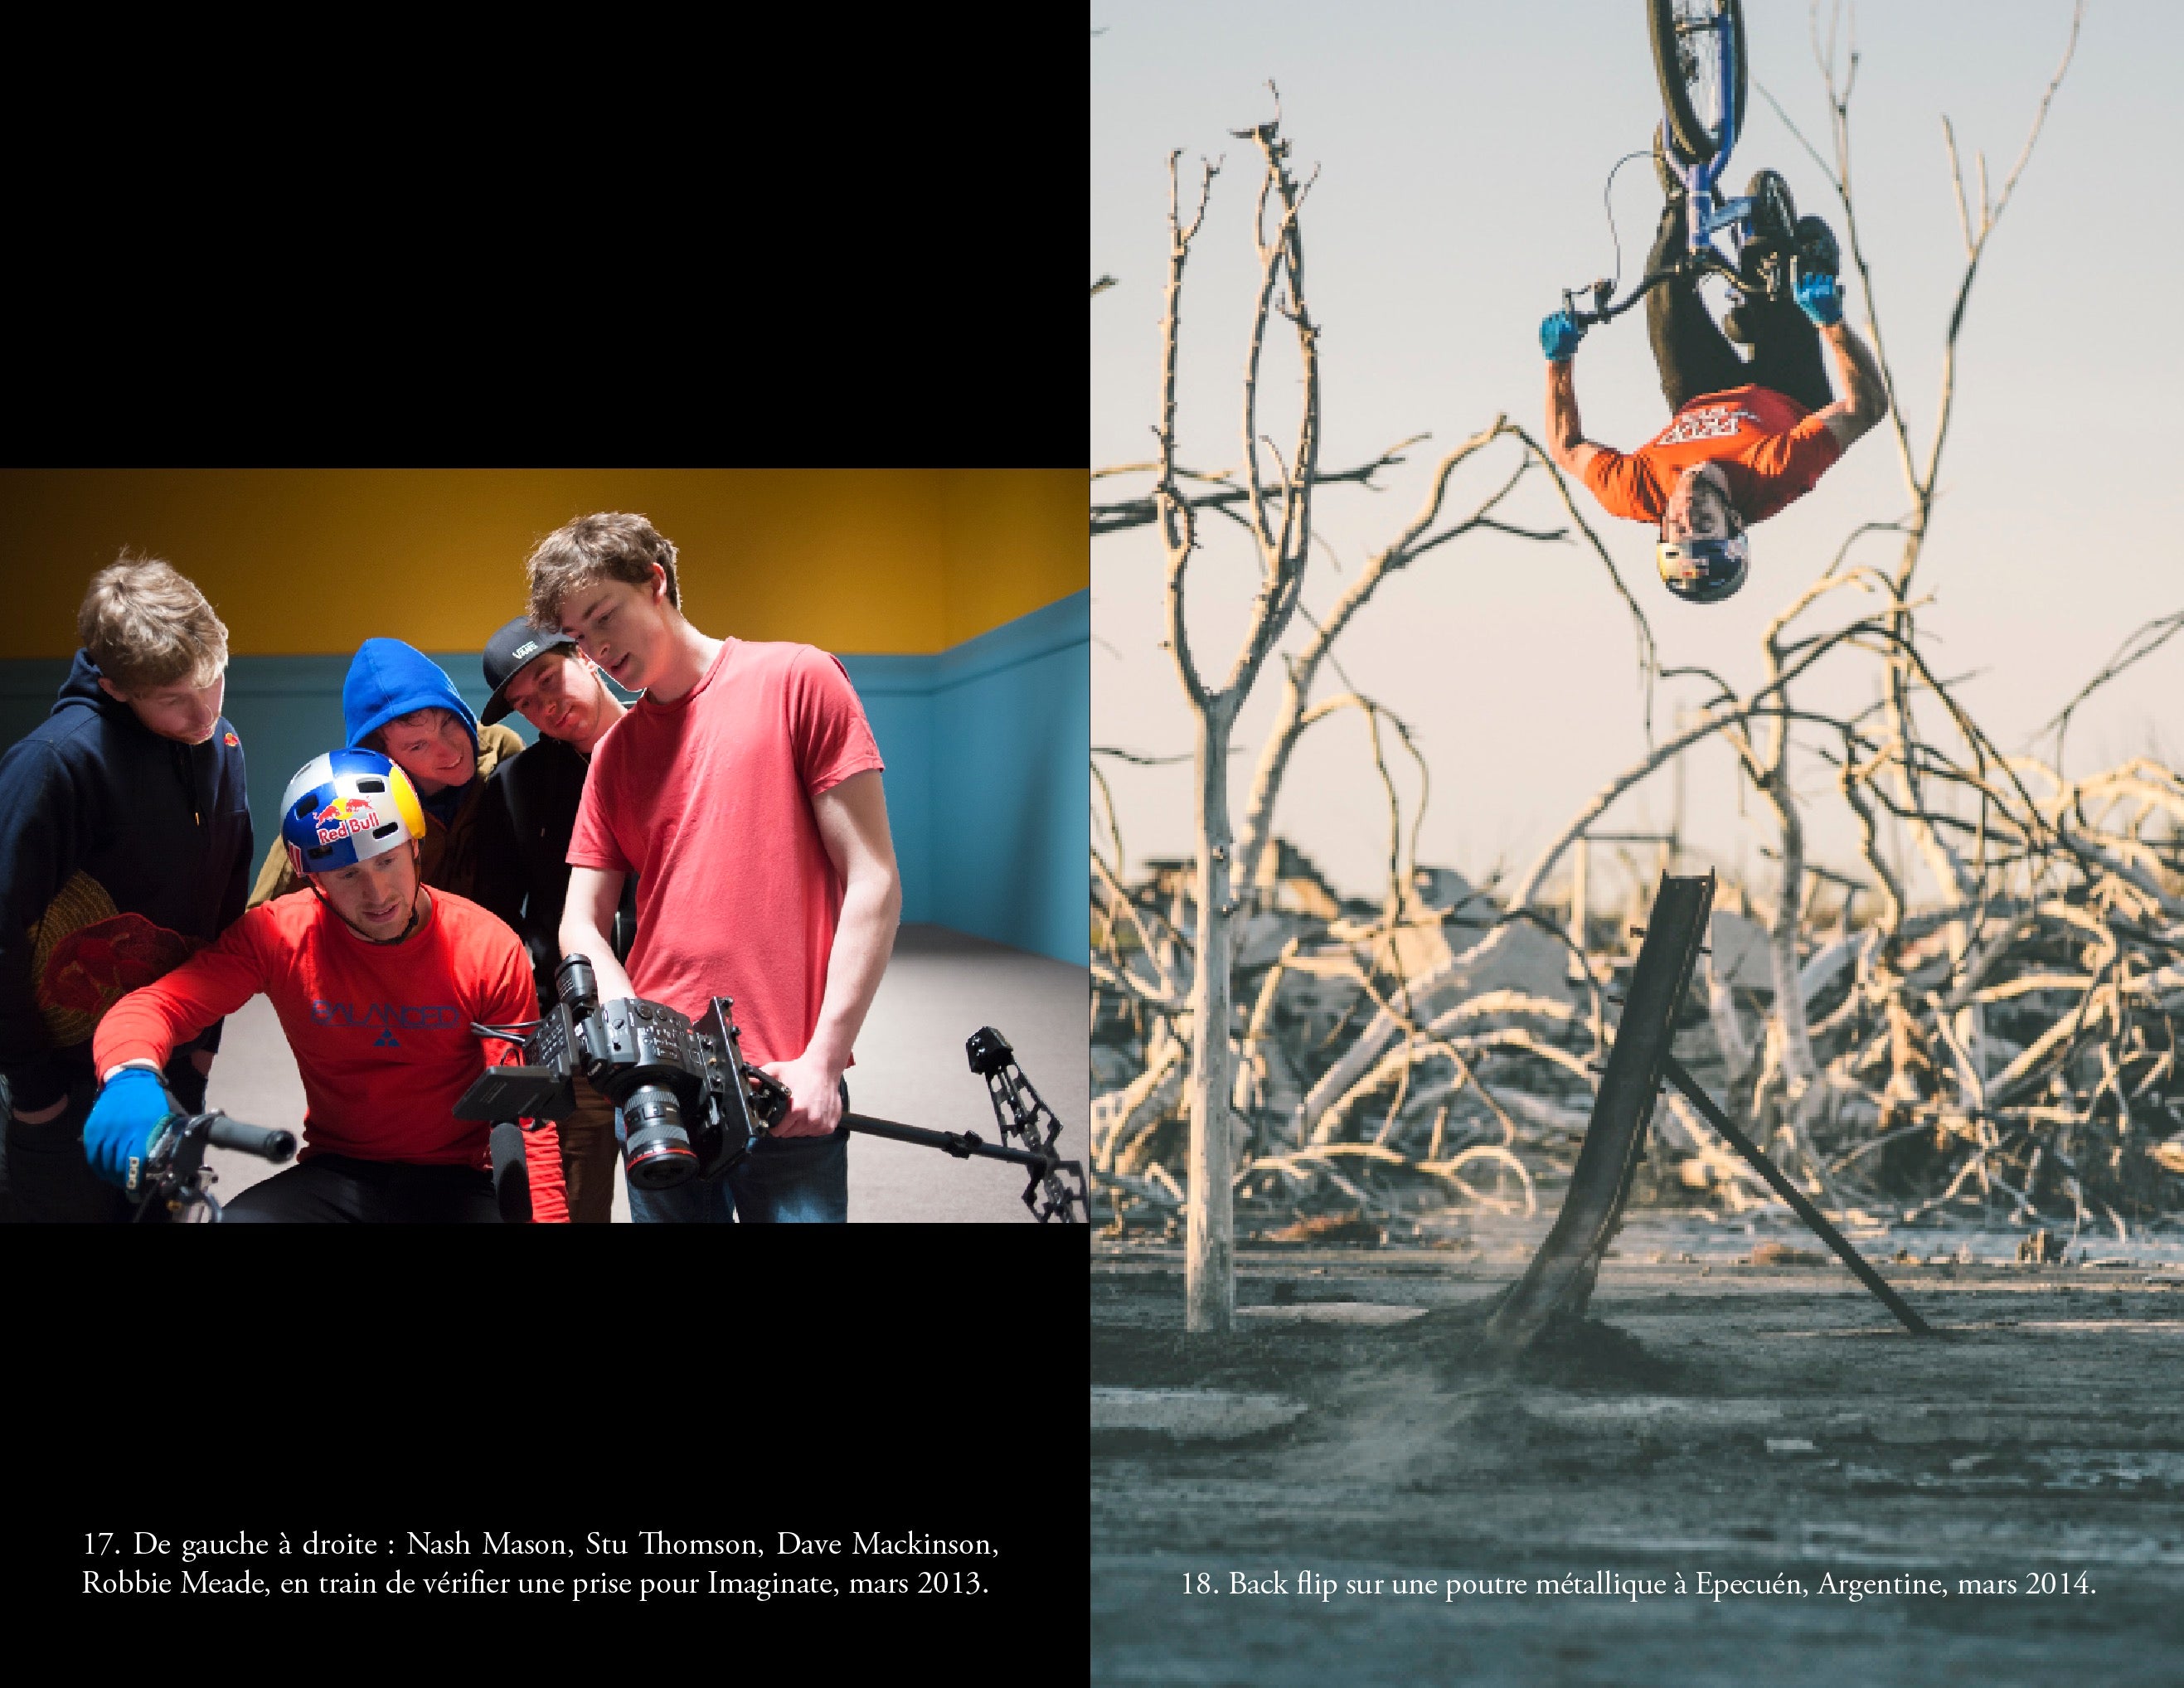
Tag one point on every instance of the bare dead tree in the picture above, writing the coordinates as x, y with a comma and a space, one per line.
1420, 536
1280, 522
1921, 474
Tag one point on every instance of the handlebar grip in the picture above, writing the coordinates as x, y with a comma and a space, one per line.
251, 1140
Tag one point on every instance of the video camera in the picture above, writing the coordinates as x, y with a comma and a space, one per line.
692, 1107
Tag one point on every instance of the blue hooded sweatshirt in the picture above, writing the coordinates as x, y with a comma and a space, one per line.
386, 678
389, 678
120, 854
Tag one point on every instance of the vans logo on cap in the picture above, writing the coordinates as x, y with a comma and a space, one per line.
528, 648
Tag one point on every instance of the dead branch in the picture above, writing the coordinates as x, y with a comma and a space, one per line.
1122, 515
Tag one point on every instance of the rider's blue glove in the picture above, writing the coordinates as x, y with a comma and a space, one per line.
117, 1138
1558, 337
1820, 298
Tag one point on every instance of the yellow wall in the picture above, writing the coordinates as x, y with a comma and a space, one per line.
299, 561
1014, 540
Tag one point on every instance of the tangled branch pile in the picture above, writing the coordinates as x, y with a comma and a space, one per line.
2014, 1055
1477, 1105
2010, 1056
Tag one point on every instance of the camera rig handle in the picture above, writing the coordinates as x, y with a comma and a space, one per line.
1056, 1190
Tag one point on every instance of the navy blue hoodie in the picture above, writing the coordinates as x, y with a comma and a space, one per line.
120, 854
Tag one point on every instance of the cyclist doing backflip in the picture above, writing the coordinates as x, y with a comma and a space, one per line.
1748, 436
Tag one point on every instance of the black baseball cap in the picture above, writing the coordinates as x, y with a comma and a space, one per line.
508, 650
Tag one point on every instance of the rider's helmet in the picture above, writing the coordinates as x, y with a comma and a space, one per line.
1703, 571
345, 807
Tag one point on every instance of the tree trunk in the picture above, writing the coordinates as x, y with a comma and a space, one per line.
1799, 1068
1209, 1236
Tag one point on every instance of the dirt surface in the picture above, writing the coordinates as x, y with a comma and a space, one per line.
1765, 1425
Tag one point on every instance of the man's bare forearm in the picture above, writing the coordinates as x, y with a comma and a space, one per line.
1860, 372
864, 939
586, 918
1572, 452
1565, 432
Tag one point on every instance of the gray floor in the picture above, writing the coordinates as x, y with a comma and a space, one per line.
941, 986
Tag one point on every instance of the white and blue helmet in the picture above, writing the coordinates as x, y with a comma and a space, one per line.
345, 807
1703, 571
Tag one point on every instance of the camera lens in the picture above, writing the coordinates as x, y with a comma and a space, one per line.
657, 1151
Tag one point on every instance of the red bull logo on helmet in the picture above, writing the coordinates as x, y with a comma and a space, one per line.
343, 818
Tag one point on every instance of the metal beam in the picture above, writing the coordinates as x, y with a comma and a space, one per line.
1673, 1071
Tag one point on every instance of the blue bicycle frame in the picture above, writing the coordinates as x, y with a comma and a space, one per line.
1707, 216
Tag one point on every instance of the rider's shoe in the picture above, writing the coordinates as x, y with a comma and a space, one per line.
1765, 259
1773, 213
1816, 250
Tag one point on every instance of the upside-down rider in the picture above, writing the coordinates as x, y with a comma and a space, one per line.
1748, 435
376, 978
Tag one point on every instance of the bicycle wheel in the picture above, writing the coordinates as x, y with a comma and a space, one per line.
1698, 58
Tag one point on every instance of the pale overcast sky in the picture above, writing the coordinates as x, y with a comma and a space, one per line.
1461, 151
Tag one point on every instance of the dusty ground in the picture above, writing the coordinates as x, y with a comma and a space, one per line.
1745, 1421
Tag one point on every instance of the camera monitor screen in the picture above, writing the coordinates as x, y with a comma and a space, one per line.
506, 1093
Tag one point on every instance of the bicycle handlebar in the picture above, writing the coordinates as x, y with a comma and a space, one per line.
264, 1141
177, 1176
1604, 309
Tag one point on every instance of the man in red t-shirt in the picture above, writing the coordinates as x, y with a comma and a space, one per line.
376, 980
743, 791
1746, 437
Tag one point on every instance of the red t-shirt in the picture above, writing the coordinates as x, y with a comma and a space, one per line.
1770, 448
708, 801
381, 1032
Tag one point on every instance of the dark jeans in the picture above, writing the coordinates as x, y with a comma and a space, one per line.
336, 1189
45, 1178
1695, 358
783, 1180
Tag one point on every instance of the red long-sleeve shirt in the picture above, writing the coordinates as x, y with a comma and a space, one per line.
1771, 450
381, 1032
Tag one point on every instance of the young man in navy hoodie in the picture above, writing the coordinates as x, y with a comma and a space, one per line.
125, 846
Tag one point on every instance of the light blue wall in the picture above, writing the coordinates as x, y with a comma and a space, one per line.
1011, 735
985, 747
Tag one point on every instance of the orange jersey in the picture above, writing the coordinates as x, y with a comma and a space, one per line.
381, 1032
1770, 448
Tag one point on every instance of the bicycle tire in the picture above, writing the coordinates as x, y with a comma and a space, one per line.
1694, 132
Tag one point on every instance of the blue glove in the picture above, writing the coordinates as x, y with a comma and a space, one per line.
1821, 299
117, 1138
1558, 337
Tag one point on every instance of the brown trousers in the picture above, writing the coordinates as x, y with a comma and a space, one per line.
588, 1157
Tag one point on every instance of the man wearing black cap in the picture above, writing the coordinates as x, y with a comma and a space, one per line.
528, 811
